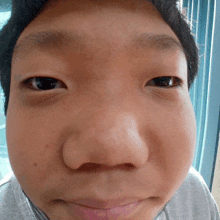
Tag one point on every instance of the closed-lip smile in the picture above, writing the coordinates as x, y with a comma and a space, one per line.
104, 205
95, 210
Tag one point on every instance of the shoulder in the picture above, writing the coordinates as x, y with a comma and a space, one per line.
193, 200
5, 190
13, 204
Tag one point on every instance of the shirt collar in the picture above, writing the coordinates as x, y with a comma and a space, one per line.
40, 215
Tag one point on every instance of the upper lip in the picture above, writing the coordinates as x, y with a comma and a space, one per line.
107, 204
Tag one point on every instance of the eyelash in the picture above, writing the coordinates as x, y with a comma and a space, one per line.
165, 85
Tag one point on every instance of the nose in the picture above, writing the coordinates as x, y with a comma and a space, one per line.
109, 139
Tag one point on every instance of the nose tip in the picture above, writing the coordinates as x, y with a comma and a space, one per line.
110, 143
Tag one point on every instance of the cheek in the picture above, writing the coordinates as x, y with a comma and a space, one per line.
177, 138
31, 155
23, 152
26, 146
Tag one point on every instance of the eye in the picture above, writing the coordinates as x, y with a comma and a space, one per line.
166, 82
43, 83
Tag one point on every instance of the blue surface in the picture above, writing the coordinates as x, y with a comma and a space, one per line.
205, 91
4, 161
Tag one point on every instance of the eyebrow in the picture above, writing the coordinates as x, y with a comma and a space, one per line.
58, 39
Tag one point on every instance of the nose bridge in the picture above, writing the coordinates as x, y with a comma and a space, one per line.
109, 138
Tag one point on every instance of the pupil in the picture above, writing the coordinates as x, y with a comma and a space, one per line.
46, 83
164, 81
167, 82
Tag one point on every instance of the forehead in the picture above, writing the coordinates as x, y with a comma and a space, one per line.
70, 23
88, 5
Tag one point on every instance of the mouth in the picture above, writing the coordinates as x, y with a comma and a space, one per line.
95, 209
104, 205
90, 209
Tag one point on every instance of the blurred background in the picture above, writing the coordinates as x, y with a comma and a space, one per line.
204, 93
5, 13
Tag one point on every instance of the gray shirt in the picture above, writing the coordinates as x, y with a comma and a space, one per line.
192, 201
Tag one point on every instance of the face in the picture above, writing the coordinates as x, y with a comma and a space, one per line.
100, 122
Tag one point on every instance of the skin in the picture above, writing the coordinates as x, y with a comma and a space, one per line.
102, 132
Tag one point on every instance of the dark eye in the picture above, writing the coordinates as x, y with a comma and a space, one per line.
166, 82
43, 83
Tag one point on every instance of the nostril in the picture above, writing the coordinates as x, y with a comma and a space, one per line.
88, 167
129, 165
94, 167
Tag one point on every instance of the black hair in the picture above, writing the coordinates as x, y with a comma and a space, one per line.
24, 11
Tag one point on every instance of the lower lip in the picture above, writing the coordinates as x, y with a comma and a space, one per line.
96, 214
